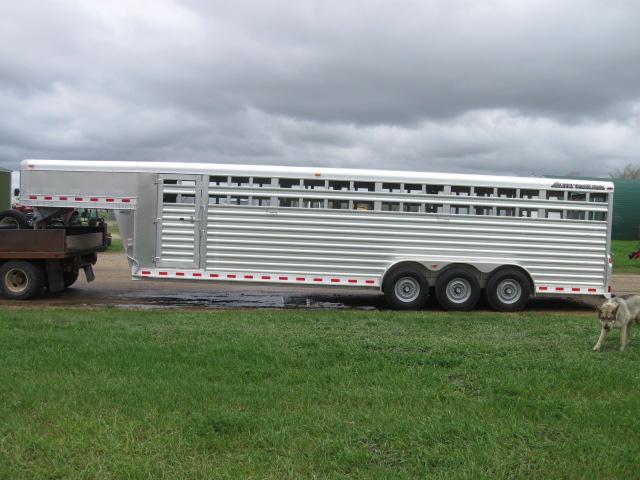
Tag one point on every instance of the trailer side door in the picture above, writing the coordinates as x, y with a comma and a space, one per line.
179, 220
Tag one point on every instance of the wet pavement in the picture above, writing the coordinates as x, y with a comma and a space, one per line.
113, 287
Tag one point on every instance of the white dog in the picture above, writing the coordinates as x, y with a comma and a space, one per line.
618, 312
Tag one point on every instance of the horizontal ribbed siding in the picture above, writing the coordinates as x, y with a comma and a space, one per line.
366, 243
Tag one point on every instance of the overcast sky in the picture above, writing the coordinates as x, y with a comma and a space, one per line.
524, 87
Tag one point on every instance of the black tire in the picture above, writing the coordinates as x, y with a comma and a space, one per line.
508, 290
406, 288
21, 280
457, 289
14, 219
70, 278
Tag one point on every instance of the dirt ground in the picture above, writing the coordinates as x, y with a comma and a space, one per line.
113, 286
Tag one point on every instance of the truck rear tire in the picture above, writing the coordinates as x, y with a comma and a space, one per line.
70, 278
14, 219
21, 280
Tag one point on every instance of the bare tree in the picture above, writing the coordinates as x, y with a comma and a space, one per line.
629, 172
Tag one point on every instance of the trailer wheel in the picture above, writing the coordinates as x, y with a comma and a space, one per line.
21, 280
406, 288
13, 219
70, 278
508, 290
457, 289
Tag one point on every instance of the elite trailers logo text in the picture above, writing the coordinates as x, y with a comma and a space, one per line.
578, 186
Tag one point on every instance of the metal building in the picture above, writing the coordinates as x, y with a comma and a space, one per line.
626, 210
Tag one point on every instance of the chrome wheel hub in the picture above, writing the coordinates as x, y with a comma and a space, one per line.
407, 289
458, 290
509, 291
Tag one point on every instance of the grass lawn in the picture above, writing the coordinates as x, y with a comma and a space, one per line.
621, 261
303, 394
116, 238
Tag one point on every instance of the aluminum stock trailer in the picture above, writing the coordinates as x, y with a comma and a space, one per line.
407, 234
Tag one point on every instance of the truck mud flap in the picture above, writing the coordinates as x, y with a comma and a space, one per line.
88, 272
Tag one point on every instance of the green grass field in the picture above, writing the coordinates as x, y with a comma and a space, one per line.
621, 261
303, 394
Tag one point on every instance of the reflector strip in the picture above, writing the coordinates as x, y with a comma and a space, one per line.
241, 276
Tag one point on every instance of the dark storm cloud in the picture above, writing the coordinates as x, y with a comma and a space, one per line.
496, 86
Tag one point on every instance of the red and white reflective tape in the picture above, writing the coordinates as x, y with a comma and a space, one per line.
571, 290
299, 279
77, 201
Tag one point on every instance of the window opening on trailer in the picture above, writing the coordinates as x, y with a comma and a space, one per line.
529, 212
460, 209
554, 214
391, 187
483, 191
433, 208
507, 193
529, 194
313, 184
288, 202
362, 205
261, 201
576, 215
482, 210
218, 200
240, 181
411, 207
598, 216
313, 203
338, 185
390, 206
555, 195
461, 191
412, 188
289, 182
238, 200
218, 180
506, 212
364, 186
598, 197
339, 204
577, 197
434, 189
262, 181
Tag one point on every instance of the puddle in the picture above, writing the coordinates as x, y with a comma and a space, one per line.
149, 300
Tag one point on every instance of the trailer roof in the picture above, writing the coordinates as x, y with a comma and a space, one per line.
315, 172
